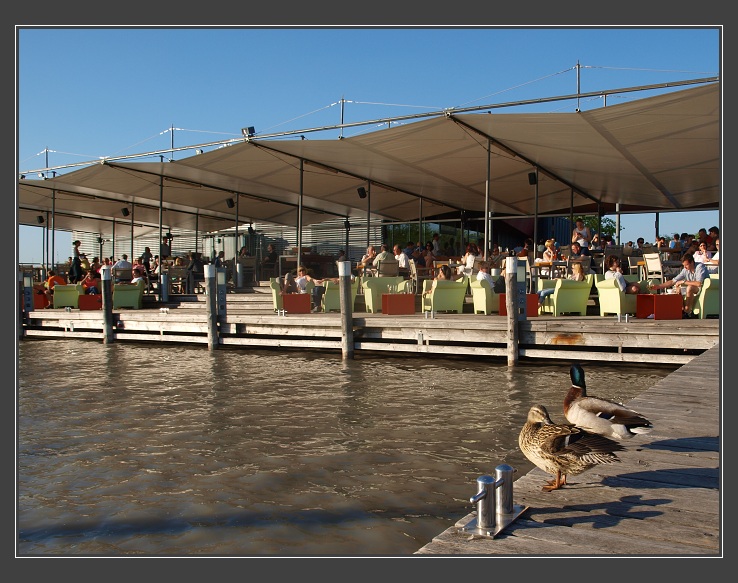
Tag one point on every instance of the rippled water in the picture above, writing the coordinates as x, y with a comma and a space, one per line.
168, 451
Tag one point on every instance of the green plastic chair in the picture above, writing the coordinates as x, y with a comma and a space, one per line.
374, 287
445, 296
485, 299
67, 296
126, 295
569, 297
331, 300
276, 293
614, 301
707, 302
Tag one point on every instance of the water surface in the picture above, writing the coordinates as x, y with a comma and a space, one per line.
133, 449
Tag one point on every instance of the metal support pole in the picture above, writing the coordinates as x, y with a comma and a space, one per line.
106, 276
368, 212
535, 220
487, 222
347, 325
133, 210
299, 214
163, 289
511, 303
210, 272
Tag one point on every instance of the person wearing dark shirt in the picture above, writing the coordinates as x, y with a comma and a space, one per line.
196, 271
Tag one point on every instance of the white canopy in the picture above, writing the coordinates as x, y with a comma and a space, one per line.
655, 154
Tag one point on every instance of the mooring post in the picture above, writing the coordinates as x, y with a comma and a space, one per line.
211, 291
347, 321
106, 276
511, 303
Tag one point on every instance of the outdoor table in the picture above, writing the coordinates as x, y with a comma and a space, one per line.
553, 267
531, 304
90, 302
398, 304
296, 303
662, 306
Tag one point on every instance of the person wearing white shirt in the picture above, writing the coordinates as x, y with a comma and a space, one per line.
581, 234
702, 255
401, 257
713, 264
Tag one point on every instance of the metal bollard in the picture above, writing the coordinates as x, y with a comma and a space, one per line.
504, 484
485, 501
494, 500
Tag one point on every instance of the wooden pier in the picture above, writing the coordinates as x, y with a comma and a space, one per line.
661, 500
250, 321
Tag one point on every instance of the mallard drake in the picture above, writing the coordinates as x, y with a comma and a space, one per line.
563, 449
600, 416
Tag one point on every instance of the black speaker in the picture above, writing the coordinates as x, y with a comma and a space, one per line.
532, 178
125, 211
230, 203
362, 192
40, 219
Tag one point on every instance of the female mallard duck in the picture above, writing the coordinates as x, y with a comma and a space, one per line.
600, 416
563, 450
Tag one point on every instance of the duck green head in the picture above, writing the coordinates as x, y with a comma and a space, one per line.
577, 376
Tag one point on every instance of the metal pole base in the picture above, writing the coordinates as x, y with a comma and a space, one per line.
501, 521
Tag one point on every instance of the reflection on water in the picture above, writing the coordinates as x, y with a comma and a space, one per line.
163, 451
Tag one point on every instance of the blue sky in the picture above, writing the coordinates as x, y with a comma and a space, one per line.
85, 93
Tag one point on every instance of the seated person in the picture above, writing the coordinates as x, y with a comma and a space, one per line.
444, 272
47, 287
270, 259
91, 283
484, 273
577, 274
688, 281
382, 255
402, 259
288, 286
138, 275
713, 264
578, 251
368, 257
614, 271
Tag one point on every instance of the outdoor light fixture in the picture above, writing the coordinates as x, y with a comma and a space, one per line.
100, 240
169, 236
230, 203
250, 131
362, 192
532, 178
347, 225
40, 219
251, 230
125, 211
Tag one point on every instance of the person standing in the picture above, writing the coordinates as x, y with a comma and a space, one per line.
75, 270
581, 234
146, 258
165, 251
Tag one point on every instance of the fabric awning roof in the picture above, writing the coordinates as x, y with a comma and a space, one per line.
655, 154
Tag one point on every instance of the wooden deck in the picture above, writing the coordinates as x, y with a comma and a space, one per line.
251, 322
663, 499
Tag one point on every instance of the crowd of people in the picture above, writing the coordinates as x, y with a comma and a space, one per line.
699, 254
